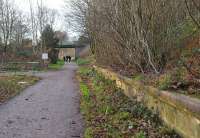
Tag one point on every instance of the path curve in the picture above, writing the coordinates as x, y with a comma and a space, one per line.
49, 109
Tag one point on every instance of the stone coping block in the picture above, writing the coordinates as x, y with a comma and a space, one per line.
178, 111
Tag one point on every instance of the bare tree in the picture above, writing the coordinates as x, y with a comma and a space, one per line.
193, 8
8, 17
34, 26
52, 15
134, 33
40, 17
21, 29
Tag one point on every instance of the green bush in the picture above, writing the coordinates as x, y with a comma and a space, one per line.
53, 55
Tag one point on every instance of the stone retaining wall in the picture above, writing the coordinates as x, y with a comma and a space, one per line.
179, 112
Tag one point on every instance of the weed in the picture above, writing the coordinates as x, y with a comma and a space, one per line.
140, 135
139, 77
165, 81
86, 71
88, 133
109, 113
85, 91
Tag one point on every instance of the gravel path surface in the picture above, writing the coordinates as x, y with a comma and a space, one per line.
49, 109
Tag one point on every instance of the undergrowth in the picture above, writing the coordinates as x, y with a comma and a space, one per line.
108, 113
81, 61
13, 85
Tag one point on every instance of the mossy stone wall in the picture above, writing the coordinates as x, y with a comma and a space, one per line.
179, 112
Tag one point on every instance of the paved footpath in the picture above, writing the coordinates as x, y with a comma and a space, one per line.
49, 109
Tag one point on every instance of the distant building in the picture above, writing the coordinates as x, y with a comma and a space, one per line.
71, 49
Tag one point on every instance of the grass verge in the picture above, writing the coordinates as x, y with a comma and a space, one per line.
108, 113
84, 61
56, 66
11, 86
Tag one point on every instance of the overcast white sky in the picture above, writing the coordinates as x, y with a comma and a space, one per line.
53, 4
